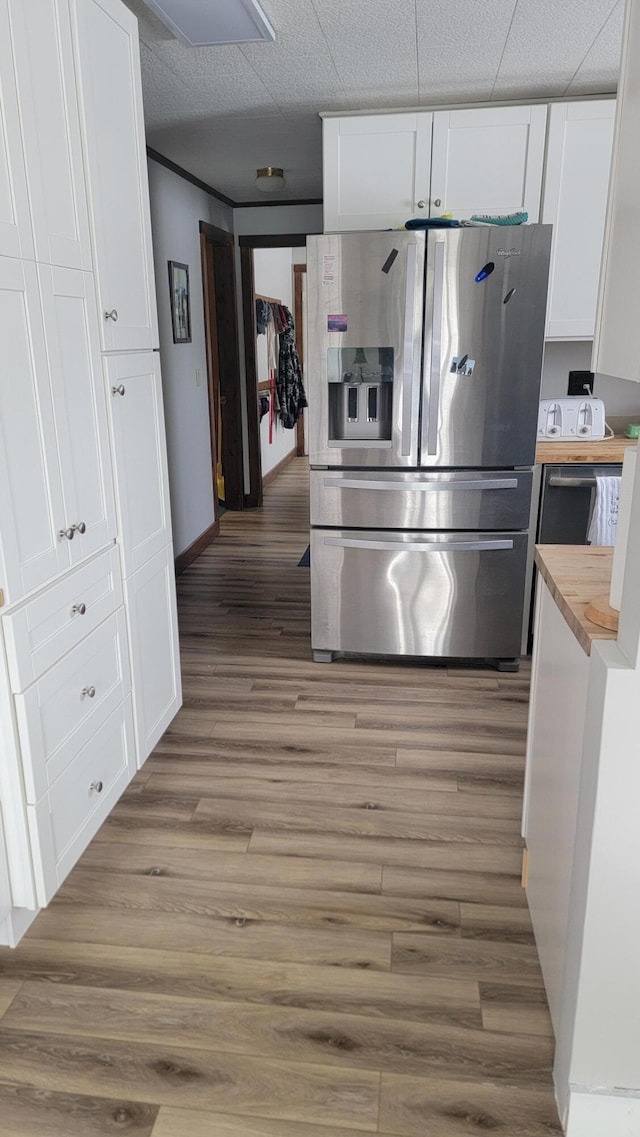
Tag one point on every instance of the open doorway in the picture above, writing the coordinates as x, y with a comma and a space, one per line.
223, 366
273, 268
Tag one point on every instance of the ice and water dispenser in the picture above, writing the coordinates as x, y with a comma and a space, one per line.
360, 393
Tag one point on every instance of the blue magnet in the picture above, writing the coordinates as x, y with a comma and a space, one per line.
485, 272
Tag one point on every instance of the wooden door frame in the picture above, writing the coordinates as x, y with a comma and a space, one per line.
217, 248
247, 244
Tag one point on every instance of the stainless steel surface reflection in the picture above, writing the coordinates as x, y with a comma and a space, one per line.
418, 594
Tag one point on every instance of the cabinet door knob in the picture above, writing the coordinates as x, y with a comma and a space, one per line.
81, 527
421, 204
119, 390
68, 533
78, 609
97, 786
437, 202
112, 315
89, 691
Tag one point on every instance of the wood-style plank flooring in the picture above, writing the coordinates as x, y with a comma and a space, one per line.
304, 917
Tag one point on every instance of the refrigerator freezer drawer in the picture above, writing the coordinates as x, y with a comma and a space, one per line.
469, 499
417, 594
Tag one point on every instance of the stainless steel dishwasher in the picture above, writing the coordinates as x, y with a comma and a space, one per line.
566, 501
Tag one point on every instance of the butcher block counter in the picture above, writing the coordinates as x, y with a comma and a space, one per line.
575, 575
606, 450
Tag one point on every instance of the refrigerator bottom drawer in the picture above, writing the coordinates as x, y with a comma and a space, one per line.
447, 595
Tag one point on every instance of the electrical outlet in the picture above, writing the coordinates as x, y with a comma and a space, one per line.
580, 383
198, 377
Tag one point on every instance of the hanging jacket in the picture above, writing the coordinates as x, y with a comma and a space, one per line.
290, 390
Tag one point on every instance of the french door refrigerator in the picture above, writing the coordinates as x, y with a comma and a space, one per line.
424, 362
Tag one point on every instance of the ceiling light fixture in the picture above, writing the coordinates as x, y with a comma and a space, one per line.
205, 23
269, 179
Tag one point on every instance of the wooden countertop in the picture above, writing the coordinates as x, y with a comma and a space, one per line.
575, 575
606, 450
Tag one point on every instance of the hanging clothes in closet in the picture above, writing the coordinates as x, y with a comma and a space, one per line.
288, 395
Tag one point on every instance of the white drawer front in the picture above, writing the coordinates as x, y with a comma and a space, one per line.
44, 629
59, 713
67, 817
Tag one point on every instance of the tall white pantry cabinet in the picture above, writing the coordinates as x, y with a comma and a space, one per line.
89, 662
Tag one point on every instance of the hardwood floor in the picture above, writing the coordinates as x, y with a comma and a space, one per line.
304, 917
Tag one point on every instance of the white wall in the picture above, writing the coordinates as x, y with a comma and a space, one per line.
177, 207
273, 276
621, 398
278, 219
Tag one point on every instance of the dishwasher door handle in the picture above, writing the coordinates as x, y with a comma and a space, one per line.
572, 483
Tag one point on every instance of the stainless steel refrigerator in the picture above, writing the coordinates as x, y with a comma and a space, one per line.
423, 365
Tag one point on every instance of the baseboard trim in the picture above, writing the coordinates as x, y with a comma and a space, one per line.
281, 465
183, 560
591, 1114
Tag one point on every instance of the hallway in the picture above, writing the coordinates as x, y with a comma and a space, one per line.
304, 917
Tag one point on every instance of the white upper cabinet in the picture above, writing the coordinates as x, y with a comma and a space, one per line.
41, 32
376, 170
488, 160
579, 148
108, 65
381, 170
31, 504
616, 348
134, 393
69, 307
16, 238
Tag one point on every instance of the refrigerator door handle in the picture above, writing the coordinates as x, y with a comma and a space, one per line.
408, 350
436, 348
425, 487
419, 546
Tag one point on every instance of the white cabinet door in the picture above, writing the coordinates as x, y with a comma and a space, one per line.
75, 806
134, 394
488, 160
560, 675
575, 203
31, 505
376, 170
616, 348
6, 902
51, 131
16, 238
108, 63
71, 331
150, 601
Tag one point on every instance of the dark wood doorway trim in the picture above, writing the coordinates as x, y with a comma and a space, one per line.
247, 245
223, 362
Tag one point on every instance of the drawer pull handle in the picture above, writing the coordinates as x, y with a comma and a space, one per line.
97, 786
80, 527
78, 609
112, 315
119, 390
89, 692
68, 533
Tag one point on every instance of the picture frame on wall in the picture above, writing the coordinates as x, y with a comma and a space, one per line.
180, 302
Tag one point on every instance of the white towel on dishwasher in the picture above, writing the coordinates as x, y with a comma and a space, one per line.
604, 516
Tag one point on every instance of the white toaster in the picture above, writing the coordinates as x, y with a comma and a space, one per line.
563, 420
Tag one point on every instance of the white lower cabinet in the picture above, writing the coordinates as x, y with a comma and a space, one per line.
560, 674
60, 712
5, 887
150, 600
66, 818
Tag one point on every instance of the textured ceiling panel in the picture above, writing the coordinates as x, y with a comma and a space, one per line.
459, 55
599, 69
374, 49
547, 43
223, 111
298, 69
